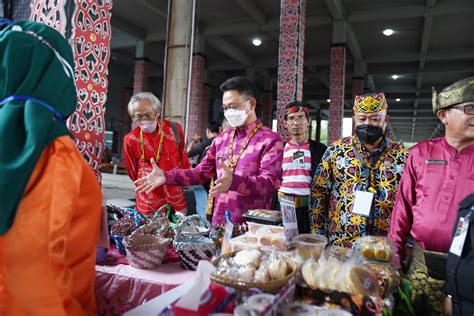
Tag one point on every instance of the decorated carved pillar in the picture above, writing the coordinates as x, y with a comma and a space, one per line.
196, 106
290, 58
85, 24
336, 91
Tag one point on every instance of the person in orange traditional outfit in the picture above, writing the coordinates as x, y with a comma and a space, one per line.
50, 200
147, 141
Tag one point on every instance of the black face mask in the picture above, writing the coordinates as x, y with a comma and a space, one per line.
369, 134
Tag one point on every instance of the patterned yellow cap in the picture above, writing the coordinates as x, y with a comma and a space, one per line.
370, 102
459, 92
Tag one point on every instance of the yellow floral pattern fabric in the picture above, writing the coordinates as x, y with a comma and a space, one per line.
336, 179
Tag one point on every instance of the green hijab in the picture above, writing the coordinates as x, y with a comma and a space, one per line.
38, 66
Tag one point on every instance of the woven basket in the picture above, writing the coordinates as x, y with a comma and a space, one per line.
145, 246
272, 286
120, 229
193, 248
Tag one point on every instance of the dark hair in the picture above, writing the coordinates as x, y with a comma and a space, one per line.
241, 84
213, 127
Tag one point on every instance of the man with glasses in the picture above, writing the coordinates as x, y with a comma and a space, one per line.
301, 156
246, 159
154, 140
354, 188
438, 175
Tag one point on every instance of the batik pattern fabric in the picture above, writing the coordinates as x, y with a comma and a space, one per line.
256, 176
337, 178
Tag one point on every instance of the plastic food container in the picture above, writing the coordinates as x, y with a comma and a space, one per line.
268, 217
377, 248
310, 246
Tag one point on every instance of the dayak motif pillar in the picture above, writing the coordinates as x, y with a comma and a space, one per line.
290, 58
86, 25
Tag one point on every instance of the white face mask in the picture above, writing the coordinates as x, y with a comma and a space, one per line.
148, 126
235, 117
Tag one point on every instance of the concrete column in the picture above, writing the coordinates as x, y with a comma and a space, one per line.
196, 112
177, 63
87, 123
290, 58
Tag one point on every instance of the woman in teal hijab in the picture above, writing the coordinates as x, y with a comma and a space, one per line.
50, 200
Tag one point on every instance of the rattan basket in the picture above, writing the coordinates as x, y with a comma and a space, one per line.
272, 286
146, 247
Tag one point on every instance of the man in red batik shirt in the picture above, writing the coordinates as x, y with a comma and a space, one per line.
160, 140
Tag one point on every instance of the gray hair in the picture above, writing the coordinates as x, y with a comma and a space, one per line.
155, 102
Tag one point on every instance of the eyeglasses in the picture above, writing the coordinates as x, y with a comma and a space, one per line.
467, 107
144, 117
292, 119
375, 119
234, 105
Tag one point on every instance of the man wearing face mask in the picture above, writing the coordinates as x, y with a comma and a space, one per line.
438, 175
157, 140
354, 187
246, 159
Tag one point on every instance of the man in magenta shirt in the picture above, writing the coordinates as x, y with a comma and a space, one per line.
439, 173
246, 159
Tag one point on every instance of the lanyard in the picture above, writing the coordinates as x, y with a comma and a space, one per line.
160, 145
232, 163
358, 150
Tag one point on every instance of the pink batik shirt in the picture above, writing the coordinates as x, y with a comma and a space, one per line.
435, 179
256, 176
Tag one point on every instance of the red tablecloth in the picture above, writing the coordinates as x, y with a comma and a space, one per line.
120, 288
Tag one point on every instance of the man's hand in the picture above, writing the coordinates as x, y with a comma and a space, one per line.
223, 183
152, 180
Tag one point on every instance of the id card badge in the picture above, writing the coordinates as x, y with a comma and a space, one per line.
459, 237
362, 203
298, 158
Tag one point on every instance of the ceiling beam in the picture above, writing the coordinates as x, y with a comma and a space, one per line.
230, 50
336, 9
127, 27
154, 9
251, 8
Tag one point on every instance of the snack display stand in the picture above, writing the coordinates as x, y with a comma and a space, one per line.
259, 272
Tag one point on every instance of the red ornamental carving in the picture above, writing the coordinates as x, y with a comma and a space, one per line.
91, 33
90, 38
52, 14
291, 58
336, 107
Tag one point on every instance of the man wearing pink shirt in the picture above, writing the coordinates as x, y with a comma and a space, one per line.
439, 173
246, 159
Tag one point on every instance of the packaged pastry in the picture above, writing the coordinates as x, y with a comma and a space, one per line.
340, 253
243, 242
378, 248
309, 246
278, 242
248, 258
269, 217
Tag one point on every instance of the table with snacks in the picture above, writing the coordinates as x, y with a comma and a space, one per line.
259, 271
122, 287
